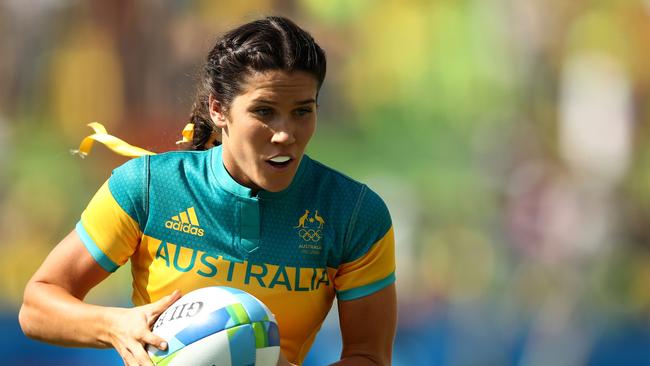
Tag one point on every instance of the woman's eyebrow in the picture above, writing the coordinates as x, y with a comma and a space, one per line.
306, 101
301, 102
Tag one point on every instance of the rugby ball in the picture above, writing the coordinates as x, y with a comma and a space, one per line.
217, 326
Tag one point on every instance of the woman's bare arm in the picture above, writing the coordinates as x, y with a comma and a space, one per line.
53, 309
368, 328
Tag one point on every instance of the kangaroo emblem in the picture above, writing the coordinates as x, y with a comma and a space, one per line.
320, 220
301, 220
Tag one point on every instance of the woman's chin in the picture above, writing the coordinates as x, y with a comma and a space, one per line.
275, 183
276, 180
275, 186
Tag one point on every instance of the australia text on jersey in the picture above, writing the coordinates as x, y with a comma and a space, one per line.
184, 259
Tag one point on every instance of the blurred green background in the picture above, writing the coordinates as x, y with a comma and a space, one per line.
508, 137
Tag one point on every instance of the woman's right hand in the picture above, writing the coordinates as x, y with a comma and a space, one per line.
130, 330
53, 309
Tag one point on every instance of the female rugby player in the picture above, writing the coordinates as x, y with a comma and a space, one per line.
247, 209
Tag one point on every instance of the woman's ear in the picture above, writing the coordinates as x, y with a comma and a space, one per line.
217, 113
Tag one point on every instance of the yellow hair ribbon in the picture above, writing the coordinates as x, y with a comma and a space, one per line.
188, 134
119, 146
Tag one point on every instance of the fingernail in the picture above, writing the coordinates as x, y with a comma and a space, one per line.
163, 346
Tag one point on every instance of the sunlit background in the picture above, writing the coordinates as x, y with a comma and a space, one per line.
508, 137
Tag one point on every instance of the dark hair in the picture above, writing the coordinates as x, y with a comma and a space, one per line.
272, 43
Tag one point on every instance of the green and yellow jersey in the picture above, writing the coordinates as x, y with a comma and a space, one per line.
185, 223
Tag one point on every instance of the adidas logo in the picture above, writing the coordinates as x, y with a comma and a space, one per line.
186, 222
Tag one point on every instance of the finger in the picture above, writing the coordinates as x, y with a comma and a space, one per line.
139, 354
156, 308
154, 340
164, 302
126, 355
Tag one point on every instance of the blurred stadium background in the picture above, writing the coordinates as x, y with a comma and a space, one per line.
508, 137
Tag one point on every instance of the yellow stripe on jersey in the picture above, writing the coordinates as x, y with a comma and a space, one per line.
369, 273
110, 228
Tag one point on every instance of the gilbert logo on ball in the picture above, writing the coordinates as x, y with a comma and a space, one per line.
217, 326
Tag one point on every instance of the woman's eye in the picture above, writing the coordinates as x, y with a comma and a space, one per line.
303, 111
263, 112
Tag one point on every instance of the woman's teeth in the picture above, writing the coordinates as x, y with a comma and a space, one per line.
280, 159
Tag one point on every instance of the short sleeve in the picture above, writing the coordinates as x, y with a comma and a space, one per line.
368, 263
110, 226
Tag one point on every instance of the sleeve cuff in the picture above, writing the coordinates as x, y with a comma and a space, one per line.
94, 250
355, 293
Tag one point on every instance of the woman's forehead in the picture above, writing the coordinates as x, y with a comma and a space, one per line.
275, 83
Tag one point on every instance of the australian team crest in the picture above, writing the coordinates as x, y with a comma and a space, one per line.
310, 230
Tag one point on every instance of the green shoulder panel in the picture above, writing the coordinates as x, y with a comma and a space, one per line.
129, 186
358, 215
370, 222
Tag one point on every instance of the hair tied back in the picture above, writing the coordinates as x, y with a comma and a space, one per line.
187, 133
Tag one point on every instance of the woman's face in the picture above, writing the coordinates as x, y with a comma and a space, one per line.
267, 127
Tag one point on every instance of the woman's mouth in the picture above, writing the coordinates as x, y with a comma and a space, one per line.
280, 161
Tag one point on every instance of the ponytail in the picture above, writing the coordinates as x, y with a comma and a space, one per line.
204, 133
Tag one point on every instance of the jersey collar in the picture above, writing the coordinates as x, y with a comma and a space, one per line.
227, 183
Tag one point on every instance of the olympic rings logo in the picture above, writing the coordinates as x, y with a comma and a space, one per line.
310, 235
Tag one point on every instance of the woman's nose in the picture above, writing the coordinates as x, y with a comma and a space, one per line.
283, 134
283, 137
